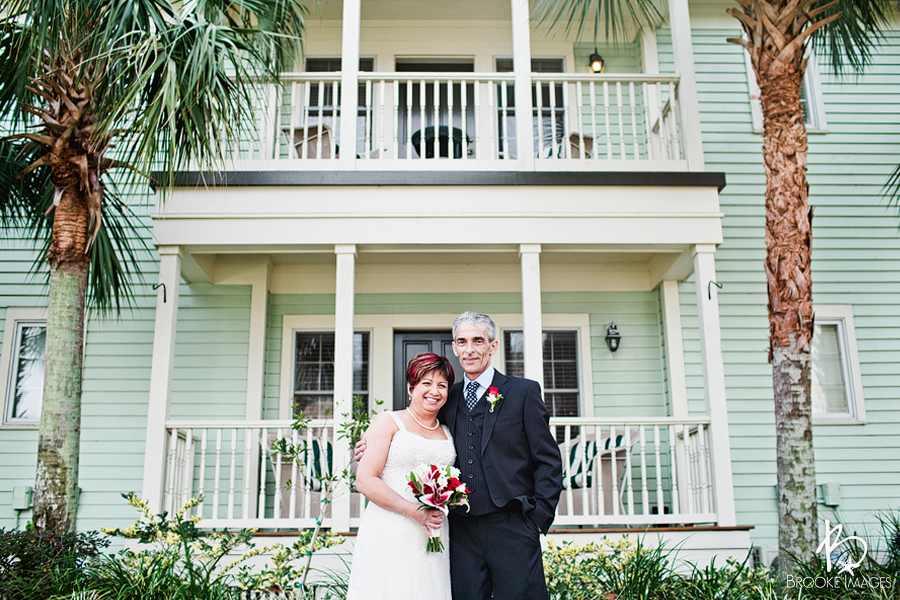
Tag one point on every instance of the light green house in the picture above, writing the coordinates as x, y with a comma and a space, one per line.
494, 172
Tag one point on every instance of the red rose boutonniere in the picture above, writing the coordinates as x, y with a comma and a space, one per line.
493, 398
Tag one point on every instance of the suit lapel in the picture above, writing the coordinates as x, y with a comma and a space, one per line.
498, 382
448, 412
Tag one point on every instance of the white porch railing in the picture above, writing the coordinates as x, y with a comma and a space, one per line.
615, 472
469, 121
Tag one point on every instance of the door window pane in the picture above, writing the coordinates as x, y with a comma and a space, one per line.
27, 376
314, 372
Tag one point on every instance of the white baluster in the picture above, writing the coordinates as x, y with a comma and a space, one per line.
621, 122
423, 120
634, 133
188, 481
203, 441
249, 435
676, 476
367, 111
689, 472
539, 112
171, 477
615, 469
265, 458
609, 153
705, 477
648, 126
232, 474
629, 491
217, 473
335, 93
568, 469
464, 112
395, 142
676, 124
660, 501
409, 125
593, 100
277, 459
645, 492
292, 494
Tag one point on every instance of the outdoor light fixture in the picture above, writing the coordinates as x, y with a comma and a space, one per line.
612, 337
596, 66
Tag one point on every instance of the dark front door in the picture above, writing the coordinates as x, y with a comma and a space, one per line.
409, 343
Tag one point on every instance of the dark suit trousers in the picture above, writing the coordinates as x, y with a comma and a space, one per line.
497, 553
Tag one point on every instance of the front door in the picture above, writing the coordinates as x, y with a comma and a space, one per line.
409, 343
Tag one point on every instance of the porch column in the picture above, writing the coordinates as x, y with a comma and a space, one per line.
675, 371
343, 374
689, 106
714, 382
521, 34
349, 82
532, 328
161, 364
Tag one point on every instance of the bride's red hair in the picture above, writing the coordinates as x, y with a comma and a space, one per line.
425, 362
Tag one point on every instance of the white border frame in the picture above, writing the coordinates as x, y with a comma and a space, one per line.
842, 315
382, 328
14, 316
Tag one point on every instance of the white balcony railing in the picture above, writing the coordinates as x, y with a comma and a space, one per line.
470, 121
615, 472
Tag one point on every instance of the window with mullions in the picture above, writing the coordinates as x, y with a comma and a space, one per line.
314, 372
560, 350
25, 384
812, 101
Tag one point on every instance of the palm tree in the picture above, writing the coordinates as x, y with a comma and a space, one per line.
91, 88
778, 36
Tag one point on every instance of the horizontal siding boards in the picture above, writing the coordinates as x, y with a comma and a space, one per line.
212, 336
856, 260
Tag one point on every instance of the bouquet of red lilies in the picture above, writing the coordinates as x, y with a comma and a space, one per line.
438, 487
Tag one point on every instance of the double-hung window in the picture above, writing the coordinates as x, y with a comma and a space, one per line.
812, 101
314, 372
837, 394
560, 349
22, 367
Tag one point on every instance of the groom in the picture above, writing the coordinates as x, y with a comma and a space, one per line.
510, 462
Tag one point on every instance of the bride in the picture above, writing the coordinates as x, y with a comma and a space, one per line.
389, 558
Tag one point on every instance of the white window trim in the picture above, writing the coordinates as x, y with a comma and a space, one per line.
815, 101
381, 330
842, 315
14, 316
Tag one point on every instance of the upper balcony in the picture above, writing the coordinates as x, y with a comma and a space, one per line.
471, 86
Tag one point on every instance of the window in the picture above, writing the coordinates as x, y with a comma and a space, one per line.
560, 368
549, 130
324, 98
314, 372
837, 395
23, 365
811, 100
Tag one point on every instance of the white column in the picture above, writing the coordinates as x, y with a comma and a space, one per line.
532, 327
675, 371
256, 355
521, 34
714, 382
680, 22
161, 365
343, 373
349, 82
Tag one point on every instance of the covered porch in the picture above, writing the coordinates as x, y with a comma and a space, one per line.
662, 460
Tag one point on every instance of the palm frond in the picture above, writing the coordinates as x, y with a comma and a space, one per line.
614, 17
851, 39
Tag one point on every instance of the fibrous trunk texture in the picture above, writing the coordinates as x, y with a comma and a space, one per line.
56, 481
789, 247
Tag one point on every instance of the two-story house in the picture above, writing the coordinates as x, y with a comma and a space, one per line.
430, 158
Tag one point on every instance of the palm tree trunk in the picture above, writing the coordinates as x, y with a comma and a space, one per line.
789, 247
56, 481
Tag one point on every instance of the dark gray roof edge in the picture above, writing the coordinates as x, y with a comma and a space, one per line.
426, 178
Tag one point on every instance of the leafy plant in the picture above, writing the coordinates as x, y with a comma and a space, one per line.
35, 566
180, 562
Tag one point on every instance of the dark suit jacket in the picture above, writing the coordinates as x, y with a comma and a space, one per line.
521, 457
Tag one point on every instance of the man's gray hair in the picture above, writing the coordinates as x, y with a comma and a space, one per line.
479, 320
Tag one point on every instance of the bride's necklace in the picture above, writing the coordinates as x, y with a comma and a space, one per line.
422, 425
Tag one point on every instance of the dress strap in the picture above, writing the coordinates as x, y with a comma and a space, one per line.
398, 421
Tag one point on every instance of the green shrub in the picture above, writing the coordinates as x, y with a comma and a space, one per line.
35, 566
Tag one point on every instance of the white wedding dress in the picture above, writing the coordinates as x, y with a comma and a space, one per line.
389, 557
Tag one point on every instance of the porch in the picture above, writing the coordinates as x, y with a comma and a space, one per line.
616, 472
469, 86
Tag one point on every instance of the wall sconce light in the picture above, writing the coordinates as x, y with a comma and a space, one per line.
612, 337
596, 62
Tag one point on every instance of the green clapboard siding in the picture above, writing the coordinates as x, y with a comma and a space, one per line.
855, 262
